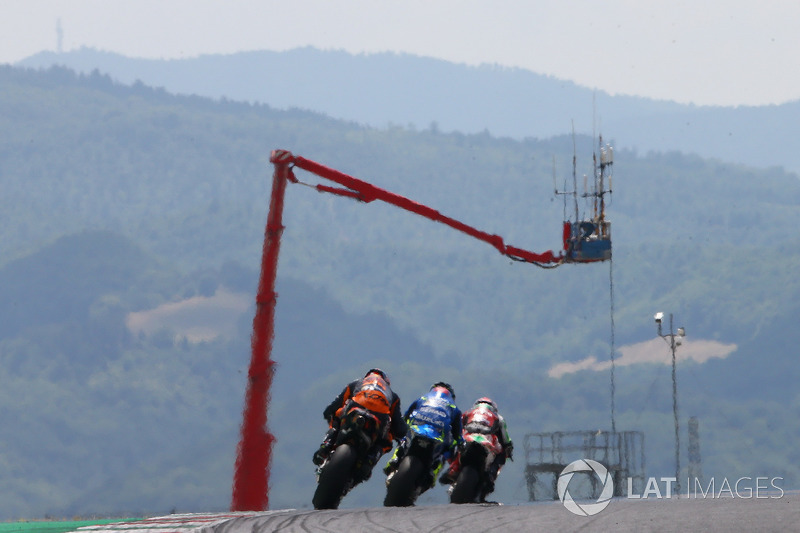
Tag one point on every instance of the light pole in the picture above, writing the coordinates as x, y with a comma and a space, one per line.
674, 340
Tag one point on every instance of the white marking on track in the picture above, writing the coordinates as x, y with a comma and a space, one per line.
177, 523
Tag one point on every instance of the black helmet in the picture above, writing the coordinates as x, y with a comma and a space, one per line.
444, 385
378, 371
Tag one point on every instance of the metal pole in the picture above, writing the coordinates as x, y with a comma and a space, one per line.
695, 474
254, 453
675, 410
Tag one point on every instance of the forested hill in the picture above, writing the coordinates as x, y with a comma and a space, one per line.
386, 88
123, 203
189, 179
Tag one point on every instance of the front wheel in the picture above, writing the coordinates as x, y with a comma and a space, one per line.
334, 478
465, 489
401, 490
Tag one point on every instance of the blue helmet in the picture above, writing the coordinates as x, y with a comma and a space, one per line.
440, 387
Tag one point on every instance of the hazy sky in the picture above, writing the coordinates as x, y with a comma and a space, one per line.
725, 52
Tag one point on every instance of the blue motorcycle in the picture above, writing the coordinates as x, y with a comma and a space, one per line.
418, 459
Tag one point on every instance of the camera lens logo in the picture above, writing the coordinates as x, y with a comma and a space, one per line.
594, 468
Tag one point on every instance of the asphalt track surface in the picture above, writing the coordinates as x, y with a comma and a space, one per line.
622, 515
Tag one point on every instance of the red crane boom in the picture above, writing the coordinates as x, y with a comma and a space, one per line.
366, 192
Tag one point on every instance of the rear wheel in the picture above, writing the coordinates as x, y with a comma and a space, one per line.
465, 489
402, 488
334, 478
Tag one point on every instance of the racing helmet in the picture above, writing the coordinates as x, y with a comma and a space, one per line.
378, 371
443, 388
488, 402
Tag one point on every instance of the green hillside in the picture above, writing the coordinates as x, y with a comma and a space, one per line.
123, 199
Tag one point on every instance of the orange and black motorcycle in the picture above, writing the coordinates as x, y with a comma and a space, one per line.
349, 463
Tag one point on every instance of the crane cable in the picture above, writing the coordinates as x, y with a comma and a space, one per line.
613, 385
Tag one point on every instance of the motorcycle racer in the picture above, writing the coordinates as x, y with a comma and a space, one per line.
436, 410
372, 392
484, 418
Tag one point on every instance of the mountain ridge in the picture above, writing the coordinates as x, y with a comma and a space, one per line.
383, 89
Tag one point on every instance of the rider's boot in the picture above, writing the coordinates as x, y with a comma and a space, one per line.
430, 477
450, 476
326, 447
392, 465
397, 456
